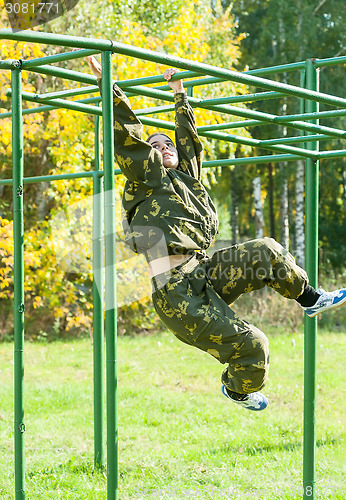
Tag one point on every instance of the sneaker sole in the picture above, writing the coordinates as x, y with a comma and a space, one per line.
327, 308
264, 406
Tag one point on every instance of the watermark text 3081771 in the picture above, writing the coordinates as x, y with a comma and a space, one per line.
25, 14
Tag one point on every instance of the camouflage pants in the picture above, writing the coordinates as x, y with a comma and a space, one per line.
193, 301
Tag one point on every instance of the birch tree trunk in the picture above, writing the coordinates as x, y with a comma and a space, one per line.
291, 220
259, 220
299, 225
234, 207
300, 175
271, 201
284, 223
284, 219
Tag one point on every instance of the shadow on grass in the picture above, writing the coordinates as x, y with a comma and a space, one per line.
270, 448
88, 469
69, 467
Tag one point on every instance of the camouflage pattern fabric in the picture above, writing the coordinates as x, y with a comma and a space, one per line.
168, 211
165, 211
193, 301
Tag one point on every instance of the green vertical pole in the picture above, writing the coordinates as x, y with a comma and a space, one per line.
110, 278
98, 307
310, 347
302, 101
18, 238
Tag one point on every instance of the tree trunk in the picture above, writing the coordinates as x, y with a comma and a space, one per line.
258, 207
234, 209
284, 221
291, 196
299, 226
271, 201
300, 172
284, 225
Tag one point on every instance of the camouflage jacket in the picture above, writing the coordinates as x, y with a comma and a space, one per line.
165, 211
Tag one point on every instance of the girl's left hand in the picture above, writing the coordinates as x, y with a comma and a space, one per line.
95, 66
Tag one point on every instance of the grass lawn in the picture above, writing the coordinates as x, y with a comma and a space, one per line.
179, 438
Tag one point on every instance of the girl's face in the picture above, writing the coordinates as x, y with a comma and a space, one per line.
167, 149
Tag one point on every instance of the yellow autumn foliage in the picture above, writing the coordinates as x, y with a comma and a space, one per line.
58, 239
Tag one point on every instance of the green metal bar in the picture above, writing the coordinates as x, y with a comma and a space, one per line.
66, 56
50, 178
262, 117
331, 132
223, 100
311, 205
310, 342
110, 279
148, 80
338, 153
307, 127
62, 103
251, 160
92, 43
9, 64
42, 109
18, 237
98, 308
324, 155
178, 62
30, 111
320, 63
206, 164
264, 159
280, 68
243, 98
74, 105
227, 74
283, 68
302, 77
189, 91
90, 79
154, 109
214, 104
56, 39
312, 116
204, 80
300, 138
68, 74
158, 109
234, 138
69, 93
257, 143
243, 112
231, 125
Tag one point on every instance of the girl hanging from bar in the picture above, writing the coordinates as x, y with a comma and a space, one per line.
169, 217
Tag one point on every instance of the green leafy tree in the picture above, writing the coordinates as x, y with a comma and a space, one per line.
279, 32
57, 253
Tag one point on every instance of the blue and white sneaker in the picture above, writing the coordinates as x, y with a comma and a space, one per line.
327, 300
254, 401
